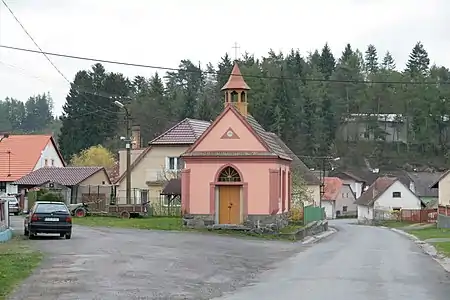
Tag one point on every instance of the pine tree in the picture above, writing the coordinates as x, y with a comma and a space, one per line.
388, 62
327, 63
346, 54
418, 62
371, 60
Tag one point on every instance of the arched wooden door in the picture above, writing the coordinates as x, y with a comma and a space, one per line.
229, 197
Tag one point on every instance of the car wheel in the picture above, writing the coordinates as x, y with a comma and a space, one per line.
68, 236
31, 235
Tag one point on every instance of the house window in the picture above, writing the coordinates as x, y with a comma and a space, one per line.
396, 209
396, 194
144, 196
2, 186
174, 163
53, 162
46, 162
344, 208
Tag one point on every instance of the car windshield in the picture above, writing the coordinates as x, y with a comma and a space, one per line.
51, 208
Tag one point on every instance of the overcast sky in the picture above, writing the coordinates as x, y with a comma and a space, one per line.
164, 32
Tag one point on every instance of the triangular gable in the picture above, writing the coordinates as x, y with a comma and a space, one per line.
405, 188
134, 164
211, 140
435, 185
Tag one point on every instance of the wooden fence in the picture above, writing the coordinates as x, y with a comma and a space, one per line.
419, 215
444, 210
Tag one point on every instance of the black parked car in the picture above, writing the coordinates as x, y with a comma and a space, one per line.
48, 217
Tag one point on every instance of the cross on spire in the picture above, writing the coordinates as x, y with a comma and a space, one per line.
236, 48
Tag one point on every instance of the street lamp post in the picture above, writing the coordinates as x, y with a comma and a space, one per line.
128, 147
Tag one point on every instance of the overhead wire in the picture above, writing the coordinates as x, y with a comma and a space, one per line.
224, 74
41, 51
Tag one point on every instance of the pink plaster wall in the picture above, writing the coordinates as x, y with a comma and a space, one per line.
255, 173
214, 142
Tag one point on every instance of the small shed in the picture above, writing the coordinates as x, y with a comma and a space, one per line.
75, 184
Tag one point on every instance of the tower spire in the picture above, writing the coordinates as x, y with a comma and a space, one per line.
236, 90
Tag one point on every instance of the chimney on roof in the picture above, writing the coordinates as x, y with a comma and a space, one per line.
136, 137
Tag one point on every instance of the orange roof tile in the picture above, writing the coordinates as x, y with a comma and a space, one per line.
332, 187
19, 155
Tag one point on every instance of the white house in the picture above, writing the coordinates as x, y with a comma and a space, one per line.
22, 154
384, 196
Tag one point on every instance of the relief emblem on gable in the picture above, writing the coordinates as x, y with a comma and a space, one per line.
230, 134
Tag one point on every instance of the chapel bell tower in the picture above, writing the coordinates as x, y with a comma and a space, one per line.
236, 90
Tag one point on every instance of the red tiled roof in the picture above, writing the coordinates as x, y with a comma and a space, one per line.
185, 132
375, 190
235, 81
113, 172
332, 188
19, 154
68, 176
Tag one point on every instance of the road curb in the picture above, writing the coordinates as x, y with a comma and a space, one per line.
318, 237
427, 249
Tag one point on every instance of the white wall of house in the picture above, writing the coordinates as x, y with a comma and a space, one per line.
444, 190
397, 196
345, 202
11, 188
49, 157
330, 209
356, 186
364, 212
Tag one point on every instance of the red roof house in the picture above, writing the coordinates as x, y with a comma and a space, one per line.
22, 154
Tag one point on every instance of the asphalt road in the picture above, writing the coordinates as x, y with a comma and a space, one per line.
358, 262
109, 264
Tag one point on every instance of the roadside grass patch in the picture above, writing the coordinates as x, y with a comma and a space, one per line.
431, 233
158, 223
394, 224
17, 262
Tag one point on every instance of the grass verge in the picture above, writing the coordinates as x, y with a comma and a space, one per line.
17, 262
394, 224
159, 223
175, 223
431, 233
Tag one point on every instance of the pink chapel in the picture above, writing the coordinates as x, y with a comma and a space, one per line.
236, 172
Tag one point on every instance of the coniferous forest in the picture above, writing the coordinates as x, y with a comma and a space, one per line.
359, 106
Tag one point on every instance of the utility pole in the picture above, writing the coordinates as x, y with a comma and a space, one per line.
322, 171
127, 141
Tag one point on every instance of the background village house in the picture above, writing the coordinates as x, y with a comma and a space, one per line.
153, 167
22, 154
338, 198
75, 184
383, 198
